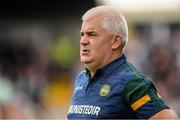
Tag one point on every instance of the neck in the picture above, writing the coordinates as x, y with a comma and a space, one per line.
116, 54
113, 57
92, 73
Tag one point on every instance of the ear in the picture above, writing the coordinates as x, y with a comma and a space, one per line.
116, 42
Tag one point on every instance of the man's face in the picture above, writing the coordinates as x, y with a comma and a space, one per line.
95, 44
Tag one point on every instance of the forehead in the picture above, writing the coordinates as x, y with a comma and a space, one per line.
95, 24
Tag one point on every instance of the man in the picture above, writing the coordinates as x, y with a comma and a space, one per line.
110, 87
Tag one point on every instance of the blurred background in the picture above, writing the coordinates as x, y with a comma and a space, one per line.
39, 52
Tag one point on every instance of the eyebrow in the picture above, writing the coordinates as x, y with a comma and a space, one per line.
88, 32
92, 31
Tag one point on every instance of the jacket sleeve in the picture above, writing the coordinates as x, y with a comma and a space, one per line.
142, 96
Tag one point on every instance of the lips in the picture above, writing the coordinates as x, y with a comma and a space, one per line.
85, 51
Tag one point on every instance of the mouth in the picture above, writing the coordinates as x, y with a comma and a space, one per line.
85, 51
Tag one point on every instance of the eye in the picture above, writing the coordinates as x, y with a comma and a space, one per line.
92, 34
81, 34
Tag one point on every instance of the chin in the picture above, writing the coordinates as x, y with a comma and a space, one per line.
89, 65
85, 60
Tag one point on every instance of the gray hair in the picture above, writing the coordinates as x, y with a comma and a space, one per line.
114, 21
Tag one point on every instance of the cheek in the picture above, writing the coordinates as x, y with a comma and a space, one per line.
101, 48
99, 53
105, 48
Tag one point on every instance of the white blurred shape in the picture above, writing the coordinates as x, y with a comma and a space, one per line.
132, 6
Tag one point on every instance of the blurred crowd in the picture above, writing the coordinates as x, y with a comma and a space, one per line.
36, 81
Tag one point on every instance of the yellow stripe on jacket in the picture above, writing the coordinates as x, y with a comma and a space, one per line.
143, 100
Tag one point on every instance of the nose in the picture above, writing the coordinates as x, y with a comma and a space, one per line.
84, 40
